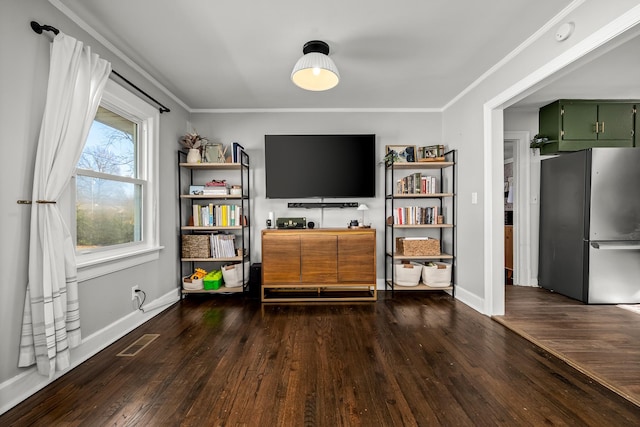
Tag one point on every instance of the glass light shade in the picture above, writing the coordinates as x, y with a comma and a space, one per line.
315, 71
362, 207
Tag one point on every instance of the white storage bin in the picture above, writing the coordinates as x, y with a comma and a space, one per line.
189, 284
407, 274
437, 274
232, 275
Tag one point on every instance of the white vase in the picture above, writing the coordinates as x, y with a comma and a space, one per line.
193, 156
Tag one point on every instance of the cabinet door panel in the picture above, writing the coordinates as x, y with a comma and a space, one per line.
579, 121
616, 120
280, 259
319, 258
357, 258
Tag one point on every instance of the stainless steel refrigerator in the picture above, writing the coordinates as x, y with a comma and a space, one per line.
590, 225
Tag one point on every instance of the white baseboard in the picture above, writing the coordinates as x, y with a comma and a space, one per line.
472, 300
27, 383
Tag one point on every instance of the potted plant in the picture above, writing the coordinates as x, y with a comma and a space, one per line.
193, 142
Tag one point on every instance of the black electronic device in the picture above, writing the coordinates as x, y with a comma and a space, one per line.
311, 224
308, 205
320, 166
291, 223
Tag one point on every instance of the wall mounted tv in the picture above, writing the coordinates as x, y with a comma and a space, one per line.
320, 166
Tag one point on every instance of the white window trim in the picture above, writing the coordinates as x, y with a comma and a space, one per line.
99, 263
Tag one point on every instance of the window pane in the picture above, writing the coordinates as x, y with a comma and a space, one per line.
107, 212
111, 145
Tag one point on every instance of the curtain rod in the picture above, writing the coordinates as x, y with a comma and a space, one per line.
40, 28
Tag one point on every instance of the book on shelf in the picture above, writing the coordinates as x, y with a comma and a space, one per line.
215, 191
416, 183
222, 245
211, 215
236, 153
416, 215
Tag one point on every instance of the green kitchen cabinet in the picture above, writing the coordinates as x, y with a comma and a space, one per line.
574, 125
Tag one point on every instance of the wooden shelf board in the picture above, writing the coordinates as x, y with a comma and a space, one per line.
421, 195
420, 287
221, 290
410, 257
194, 228
212, 166
421, 165
213, 196
421, 225
236, 258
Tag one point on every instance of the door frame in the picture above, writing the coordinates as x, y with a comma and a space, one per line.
522, 241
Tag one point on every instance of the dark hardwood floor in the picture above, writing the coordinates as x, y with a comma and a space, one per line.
602, 341
414, 359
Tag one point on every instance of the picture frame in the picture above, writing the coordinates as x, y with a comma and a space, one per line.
213, 153
405, 153
196, 190
431, 153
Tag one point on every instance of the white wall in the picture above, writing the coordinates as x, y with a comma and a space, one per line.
249, 129
105, 303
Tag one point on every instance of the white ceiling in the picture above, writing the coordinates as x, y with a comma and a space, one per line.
610, 72
234, 54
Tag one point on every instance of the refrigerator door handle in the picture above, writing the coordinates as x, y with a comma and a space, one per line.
616, 245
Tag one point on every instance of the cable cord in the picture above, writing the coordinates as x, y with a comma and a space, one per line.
144, 298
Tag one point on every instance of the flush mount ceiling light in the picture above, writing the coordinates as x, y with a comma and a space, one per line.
315, 70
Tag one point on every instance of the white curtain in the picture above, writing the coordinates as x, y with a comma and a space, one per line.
51, 320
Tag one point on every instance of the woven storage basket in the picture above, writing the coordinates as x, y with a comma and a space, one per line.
418, 247
196, 246
437, 274
407, 274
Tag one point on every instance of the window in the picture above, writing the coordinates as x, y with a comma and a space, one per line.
108, 191
115, 187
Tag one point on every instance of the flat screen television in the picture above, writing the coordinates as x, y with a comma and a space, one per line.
320, 166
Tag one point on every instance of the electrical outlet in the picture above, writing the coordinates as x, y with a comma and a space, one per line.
133, 292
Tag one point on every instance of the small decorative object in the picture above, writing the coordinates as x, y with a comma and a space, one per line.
214, 153
405, 153
538, 141
196, 190
193, 142
431, 153
362, 207
193, 156
389, 158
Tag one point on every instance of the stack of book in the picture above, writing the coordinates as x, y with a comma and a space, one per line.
216, 188
416, 215
223, 245
216, 215
416, 184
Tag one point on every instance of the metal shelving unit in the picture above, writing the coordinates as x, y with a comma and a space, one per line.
444, 199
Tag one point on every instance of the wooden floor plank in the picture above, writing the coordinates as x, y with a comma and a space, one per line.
413, 359
602, 341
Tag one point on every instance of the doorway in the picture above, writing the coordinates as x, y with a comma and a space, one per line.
494, 300
518, 201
